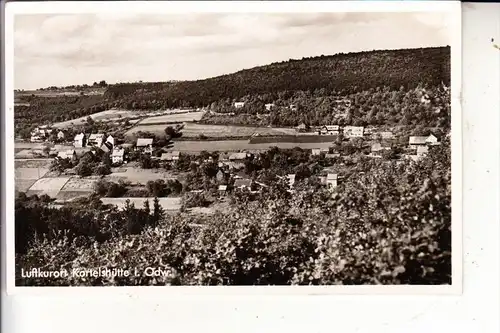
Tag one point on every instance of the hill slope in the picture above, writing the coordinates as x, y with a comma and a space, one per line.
344, 73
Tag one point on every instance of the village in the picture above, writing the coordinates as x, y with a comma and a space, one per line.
134, 164
243, 166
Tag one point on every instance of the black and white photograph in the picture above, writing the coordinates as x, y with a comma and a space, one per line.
235, 149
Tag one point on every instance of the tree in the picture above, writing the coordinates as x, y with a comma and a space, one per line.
46, 150
170, 132
83, 168
145, 161
158, 212
106, 159
103, 170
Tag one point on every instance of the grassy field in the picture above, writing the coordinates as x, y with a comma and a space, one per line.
138, 176
41, 163
168, 204
194, 130
49, 186
80, 184
99, 116
173, 118
71, 195
236, 145
30, 173
118, 114
23, 185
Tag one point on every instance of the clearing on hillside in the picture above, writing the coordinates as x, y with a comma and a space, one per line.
173, 118
215, 131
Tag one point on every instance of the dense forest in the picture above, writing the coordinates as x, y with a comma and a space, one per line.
343, 73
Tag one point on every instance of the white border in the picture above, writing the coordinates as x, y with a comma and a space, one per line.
453, 8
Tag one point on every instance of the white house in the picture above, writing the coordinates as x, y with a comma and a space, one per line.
235, 157
145, 145
269, 106
170, 156
330, 130
354, 131
386, 135
111, 140
416, 141
79, 140
117, 155
243, 184
431, 140
422, 151
67, 154
60, 135
239, 104
293, 107
291, 179
318, 151
331, 181
96, 139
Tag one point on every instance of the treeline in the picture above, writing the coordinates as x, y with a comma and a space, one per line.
345, 73
391, 225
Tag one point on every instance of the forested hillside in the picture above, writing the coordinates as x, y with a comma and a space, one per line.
342, 73
385, 88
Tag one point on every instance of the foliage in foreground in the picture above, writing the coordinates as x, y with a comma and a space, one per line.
389, 226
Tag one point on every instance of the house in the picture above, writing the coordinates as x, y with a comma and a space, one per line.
291, 179
269, 106
301, 128
106, 147
170, 156
243, 184
416, 141
40, 133
330, 130
238, 157
319, 151
111, 140
413, 158
223, 156
67, 154
431, 140
332, 156
379, 147
344, 102
239, 105
353, 131
422, 151
145, 145
79, 140
331, 180
117, 155
60, 135
221, 176
386, 135
37, 138
293, 107
95, 140
222, 189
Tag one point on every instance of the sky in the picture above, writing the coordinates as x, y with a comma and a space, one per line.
60, 50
